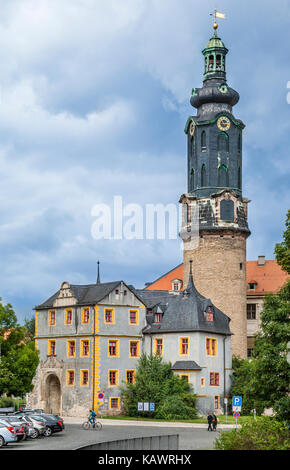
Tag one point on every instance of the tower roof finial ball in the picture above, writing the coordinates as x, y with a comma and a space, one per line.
215, 26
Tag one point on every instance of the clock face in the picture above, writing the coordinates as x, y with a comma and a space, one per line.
224, 123
192, 128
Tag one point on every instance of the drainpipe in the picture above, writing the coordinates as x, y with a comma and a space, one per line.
94, 353
224, 341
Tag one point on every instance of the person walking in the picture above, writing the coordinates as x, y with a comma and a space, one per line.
214, 422
209, 420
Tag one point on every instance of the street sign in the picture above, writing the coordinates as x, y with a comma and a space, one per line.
237, 404
152, 406
146, 406
140, 406
237, 401
236, 414
101, 396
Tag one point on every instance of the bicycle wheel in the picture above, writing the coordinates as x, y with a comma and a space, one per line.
86, 425
98, 426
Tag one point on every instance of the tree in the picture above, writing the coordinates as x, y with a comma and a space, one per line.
282, 250
263, 381
18, 358
271, 373
155, 382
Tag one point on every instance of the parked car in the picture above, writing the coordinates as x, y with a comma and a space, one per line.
52, 423
29, 411
7, 434
37, 428
20, 428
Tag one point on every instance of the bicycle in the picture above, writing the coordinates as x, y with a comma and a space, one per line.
95, 425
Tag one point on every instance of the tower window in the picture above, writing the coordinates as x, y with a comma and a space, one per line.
218, 62
239, 179
223, 142
203, 176
223, 176
227, 210
239, 144
210, 63
203, 141
192, 179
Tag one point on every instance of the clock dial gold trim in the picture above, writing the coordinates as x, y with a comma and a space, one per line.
223, 123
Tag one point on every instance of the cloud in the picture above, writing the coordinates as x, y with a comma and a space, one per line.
94, 98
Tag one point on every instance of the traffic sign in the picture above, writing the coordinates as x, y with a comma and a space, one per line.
236, 414
237, 401
100, 396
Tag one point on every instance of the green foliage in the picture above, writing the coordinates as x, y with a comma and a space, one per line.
19, 358
8, 402
263, 380
155, 382
282, 250
262, 434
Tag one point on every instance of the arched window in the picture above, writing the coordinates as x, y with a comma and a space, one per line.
192, 179
223, 176
218, 62
239, 178
203, 141
239, 144
203, 176
223, 142
210, 63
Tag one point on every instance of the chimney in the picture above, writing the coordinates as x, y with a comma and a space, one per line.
261, 261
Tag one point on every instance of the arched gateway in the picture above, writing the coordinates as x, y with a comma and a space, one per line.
52, 395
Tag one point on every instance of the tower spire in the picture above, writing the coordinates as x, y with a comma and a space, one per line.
98, 278
190, 286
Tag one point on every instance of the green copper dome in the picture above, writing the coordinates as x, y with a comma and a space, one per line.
215, 42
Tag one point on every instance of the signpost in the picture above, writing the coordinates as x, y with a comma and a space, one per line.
237, 407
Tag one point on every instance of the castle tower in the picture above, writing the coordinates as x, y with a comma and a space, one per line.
214, 203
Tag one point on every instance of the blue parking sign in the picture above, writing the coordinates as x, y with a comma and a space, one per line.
237, 401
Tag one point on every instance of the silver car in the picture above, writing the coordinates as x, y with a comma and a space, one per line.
38, 427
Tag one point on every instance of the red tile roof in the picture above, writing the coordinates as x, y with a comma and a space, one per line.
269, 277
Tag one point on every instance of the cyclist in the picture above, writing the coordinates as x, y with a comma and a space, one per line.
92, 417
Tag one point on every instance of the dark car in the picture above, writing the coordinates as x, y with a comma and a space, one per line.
53, 424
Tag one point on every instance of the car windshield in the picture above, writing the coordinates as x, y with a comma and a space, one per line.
38, 418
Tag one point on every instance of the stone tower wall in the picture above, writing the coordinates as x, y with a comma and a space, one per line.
219, 269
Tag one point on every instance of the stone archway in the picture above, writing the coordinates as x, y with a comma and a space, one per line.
52, 395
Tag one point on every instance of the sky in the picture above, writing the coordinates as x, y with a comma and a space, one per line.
94, 97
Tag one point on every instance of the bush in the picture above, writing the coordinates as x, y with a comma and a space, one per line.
262, 434
8, 402
174, 408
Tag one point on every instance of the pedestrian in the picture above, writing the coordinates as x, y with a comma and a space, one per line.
209, 420
214, 422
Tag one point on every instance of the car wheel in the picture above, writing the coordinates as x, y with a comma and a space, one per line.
34, 434
2, 442
47, 432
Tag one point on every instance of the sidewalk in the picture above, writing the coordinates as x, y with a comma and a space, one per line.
161, 424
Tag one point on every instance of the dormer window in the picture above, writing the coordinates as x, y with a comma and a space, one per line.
176, 285
149, 311
252, 285
157, 318
209, 314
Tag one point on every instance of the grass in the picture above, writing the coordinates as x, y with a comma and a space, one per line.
222, 419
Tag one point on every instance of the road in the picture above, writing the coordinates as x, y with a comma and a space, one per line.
190, 437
